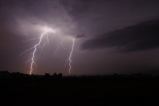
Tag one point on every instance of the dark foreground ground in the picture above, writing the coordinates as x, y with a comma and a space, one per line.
116, 90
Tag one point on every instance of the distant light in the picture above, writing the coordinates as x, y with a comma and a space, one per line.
47, 29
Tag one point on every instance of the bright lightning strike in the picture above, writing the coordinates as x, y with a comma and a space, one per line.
34, 52
45, 33
70, 55
45, 30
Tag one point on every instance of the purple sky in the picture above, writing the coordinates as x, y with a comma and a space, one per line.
114, 36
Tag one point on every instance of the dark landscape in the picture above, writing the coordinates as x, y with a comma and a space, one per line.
58, 90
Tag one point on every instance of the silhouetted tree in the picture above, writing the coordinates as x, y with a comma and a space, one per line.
60, 75
47, 75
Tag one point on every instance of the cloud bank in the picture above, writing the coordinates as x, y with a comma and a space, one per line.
142, 36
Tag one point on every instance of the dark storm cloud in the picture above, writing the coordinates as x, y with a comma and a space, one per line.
142, 36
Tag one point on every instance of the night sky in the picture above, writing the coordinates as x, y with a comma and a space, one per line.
112, 36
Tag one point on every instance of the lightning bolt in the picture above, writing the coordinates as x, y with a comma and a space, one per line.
70, 55
34, 53
46, 31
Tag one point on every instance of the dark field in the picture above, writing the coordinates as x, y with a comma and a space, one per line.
57, 90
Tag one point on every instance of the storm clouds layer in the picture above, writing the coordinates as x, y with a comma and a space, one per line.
143, 36
113, 36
